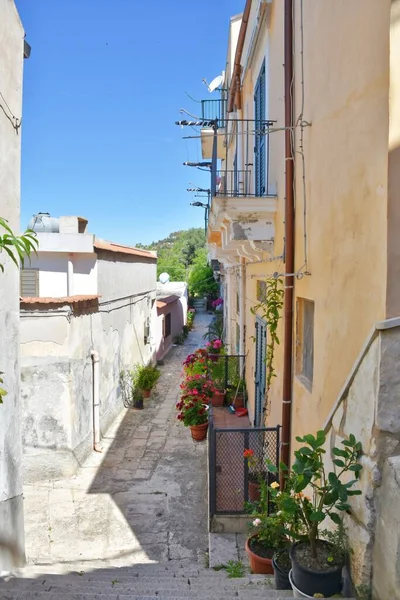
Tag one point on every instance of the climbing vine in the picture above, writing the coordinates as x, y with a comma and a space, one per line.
270, 309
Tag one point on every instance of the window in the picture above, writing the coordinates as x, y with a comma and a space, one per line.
29, 283
237, 338
305, 341
261, 290
167, 325
237, 303
260, 149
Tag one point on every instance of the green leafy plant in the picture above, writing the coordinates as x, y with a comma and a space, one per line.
179, 340
18, 247
215, 330
270, 309
235, 569
329, 494
145, 377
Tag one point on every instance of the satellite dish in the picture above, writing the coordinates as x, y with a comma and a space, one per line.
216, 82
163, 278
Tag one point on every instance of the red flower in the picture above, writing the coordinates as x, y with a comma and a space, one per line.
248, 453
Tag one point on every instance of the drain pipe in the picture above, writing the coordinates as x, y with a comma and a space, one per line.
96, 400
289, 240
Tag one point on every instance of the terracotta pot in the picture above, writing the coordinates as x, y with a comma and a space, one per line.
218, 399
238, 401
146, 393
254, 491
199, 432
258, 564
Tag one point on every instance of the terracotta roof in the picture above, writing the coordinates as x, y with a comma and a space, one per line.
111, 247
64, 300
163, 302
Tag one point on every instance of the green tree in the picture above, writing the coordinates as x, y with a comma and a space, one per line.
201, 279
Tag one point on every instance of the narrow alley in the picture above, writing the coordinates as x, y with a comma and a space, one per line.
142, 500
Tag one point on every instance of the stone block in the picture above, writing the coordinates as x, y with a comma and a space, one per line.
362, 397
388, 409
222, 548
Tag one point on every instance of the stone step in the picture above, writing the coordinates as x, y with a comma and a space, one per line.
115, 595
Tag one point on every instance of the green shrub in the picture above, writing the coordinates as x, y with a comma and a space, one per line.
145, 377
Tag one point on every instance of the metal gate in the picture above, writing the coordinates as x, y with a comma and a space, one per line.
228, 469
260, 374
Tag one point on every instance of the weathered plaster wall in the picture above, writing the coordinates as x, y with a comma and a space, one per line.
56, 367
11, 69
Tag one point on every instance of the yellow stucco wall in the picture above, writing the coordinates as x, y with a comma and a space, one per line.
346, 85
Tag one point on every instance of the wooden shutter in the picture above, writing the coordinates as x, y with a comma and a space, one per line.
29, 282
260, 156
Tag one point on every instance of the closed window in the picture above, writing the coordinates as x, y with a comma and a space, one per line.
29, 283
167, 325
305, 342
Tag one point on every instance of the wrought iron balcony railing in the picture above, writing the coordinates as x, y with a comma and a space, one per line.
214, 109
234, 183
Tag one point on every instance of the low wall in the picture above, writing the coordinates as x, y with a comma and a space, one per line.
369, 408
57, 377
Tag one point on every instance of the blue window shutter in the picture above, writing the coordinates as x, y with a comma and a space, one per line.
260, 156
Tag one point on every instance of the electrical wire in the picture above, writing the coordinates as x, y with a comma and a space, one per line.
15, 122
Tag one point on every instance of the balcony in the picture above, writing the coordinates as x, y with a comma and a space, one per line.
213, 109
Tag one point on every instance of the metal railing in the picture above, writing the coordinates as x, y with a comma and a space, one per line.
227, 371
214, 109
233, 183
231, 483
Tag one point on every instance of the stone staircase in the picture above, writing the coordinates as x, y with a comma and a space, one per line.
161, 581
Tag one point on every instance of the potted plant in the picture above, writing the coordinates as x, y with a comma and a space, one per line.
137, 399
217, 371
266, 534
238, 392
196, 363
317, 562
193, 413
198, 385
145, 378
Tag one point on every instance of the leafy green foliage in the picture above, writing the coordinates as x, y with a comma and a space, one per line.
201, 278
270, 309
235, 569
18, 247
145, 377
177, 252
215, 330
329, 495
2, 390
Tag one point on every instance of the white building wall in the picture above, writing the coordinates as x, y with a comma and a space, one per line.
53, 273
11, 68
56, 365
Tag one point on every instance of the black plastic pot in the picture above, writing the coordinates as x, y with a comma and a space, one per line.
138, 404
311, 582
281, 577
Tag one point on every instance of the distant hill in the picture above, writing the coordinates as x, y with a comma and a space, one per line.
177, 252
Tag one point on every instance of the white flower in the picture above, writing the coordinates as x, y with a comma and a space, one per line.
278, 494
279, 513
257, 522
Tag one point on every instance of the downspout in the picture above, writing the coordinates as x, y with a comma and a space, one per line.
289, 240
235, 80
242, 320
96, 400
70, 276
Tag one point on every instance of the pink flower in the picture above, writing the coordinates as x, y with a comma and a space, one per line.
217, 344
195, 392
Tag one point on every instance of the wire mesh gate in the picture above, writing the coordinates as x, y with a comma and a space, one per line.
230, 477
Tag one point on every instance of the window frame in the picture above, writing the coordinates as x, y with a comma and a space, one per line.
305, 344
167, 329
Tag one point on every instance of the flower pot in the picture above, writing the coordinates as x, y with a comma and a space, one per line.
238, 401
199, 432
296, 592
138, 404
146, 393
218, 398
254, 491
281, 577
310, 580
258, 564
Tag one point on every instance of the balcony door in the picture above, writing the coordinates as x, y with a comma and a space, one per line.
260, 372
259, 148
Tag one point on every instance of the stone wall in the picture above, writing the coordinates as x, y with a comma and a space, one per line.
369, 408
11, 69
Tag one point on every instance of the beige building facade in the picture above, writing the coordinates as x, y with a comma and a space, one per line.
345, 143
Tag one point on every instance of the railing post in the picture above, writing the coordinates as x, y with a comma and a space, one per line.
278, 450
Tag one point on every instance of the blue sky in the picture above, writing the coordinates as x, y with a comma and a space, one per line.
102, 90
